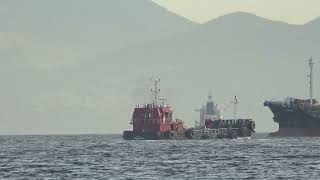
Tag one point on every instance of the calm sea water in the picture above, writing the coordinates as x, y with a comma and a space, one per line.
111, 157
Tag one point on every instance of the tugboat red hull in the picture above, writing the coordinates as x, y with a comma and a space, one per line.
131, 135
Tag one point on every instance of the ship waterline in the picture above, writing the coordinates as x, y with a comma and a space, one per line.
297, 132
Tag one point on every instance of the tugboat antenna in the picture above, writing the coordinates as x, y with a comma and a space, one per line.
235, 103
210, 95
156, 91
163, 101
311, 64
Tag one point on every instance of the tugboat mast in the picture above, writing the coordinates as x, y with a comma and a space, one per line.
235, 103
311, 64
156, 91
210, 96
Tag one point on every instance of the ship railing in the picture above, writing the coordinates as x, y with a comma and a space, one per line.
304, 105
208, 131
153, 105
214, 131
283, 104
222, 130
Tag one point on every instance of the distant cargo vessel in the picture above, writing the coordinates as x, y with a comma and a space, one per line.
211, 124
297, 117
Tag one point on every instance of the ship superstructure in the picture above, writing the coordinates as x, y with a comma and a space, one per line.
297, 117
210, 110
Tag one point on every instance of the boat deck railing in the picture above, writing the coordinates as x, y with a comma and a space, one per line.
215, 131
284, 104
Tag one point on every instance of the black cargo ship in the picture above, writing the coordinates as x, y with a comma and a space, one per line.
297, 117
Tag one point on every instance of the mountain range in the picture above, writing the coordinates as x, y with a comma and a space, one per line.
80, 67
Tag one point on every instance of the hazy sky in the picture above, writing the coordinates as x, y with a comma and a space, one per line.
291, 11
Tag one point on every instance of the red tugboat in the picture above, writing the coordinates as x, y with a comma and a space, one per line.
154, 121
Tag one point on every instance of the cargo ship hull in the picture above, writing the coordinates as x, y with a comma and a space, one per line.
294, 121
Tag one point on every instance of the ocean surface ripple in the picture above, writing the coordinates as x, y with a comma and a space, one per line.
111, 157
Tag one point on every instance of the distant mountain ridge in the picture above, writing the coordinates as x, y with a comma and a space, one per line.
66, 26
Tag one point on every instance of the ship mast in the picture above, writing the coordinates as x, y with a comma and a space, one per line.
311, 64
210, 95
156, 91
235, 104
